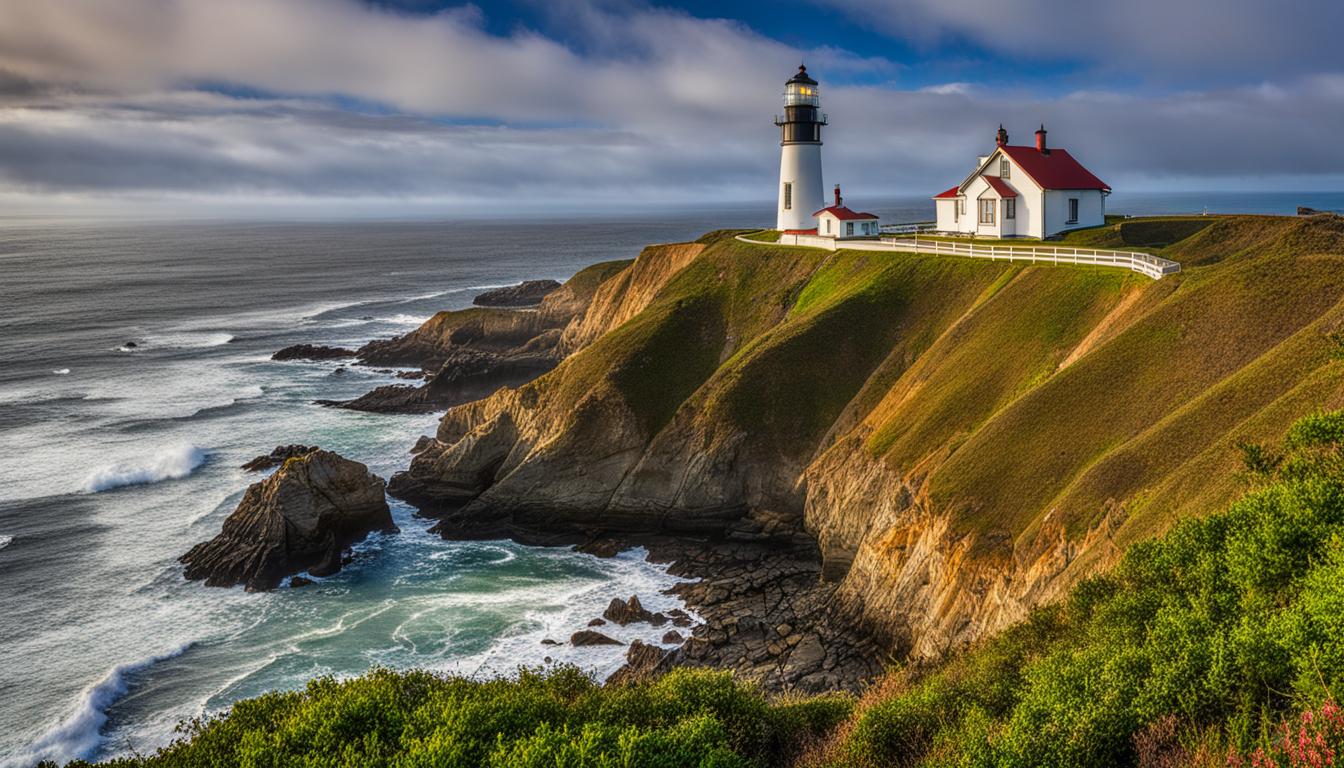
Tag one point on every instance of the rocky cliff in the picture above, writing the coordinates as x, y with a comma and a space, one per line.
961, 439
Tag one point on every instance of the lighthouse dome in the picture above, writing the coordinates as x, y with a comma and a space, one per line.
802, 76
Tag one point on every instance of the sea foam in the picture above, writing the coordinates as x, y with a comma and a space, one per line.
5, 541
78, 736
168, 463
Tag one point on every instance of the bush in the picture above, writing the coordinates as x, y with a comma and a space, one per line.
557, 717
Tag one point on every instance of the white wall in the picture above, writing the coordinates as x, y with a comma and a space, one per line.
801, 165
1091, 209
946, 208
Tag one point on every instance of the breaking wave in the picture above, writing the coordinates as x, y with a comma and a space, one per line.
78, 736
168, 463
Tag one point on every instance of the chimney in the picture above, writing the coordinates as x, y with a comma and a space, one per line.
1040, 141
1001, 137
837, 195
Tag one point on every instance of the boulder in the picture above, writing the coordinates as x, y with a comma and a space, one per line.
278, 456
631, 611
300, 581
589, 637
528, 293
312, 352
673, 637
421, 443
302, 518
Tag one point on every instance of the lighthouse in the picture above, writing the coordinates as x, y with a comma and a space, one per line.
800, 188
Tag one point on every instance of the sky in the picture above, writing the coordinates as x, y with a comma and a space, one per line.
498, 106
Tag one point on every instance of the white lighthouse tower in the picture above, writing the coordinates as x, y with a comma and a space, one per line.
800, 188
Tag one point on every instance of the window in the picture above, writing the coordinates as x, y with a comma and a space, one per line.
1010, 208
849, 228
1005, 168
961, 206
1073, 211
986, 211
788, 196
828, 225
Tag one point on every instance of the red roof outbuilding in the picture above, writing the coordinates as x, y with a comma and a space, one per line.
844, 214
953, 192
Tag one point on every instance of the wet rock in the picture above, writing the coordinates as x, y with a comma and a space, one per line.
300, 581
597, 623
673, 637
627, 612
278, 456
302, 518
421, 443
312, 352
549, 641
130, 345
585, 637
528, 293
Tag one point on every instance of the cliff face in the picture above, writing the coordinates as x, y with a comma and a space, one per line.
963, 439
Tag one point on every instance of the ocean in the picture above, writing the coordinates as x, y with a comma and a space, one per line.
114, 460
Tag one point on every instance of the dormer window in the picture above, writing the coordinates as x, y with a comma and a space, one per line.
1005, 168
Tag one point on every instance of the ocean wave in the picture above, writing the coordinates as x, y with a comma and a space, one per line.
78, 736
169, 463
5, 541
403, 319
61, 371
191, 339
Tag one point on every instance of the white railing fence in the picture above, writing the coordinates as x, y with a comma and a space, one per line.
1143, 263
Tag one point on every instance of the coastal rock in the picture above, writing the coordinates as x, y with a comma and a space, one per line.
627, 612
421, 443
673, 637
302, 518
464, 376
642, 661
300, 581
586, 637
278, 456
528, 293
597, 623
312, 352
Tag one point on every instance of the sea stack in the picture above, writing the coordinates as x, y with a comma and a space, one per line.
302, 518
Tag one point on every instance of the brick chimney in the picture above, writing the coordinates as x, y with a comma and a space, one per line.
1040, 141
1001, 137
837, 195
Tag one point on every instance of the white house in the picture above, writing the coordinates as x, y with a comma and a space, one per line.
1019, 191
841, 223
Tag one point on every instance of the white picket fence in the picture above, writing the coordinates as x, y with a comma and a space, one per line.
1143, 263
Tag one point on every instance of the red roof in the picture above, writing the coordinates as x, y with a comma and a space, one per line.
1054, 170
953, 192
1000, 186
844, 214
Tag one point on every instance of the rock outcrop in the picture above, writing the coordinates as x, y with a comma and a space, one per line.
586, 637
469, 354
279, 456
302, 518
312, 352
528, 293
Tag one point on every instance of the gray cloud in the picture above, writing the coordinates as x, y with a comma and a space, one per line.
101, 100
1183, 41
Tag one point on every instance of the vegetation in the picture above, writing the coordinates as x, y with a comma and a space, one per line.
1198, 649
549, 718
